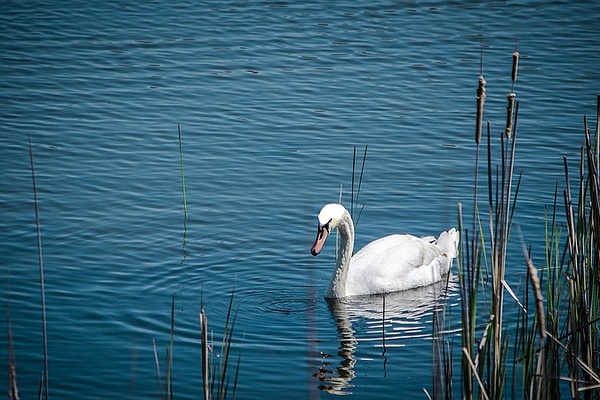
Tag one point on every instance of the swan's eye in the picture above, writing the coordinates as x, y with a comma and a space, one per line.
324, 227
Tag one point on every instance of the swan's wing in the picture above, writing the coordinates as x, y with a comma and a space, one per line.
395, 263
408, 249
384, 244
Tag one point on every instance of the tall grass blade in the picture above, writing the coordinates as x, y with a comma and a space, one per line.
41, 268
185, 207
536, 376
355, 198
205, 355
225, 348
360, 180
352, 184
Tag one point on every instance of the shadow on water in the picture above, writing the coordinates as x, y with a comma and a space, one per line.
382, 320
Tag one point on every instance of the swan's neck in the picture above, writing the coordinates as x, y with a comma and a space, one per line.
337, 286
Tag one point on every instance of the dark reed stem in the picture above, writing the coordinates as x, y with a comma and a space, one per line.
472, 246
13, 390
463, 266
354, 199
509, 216
41, 268
225, 348
360, 180
205, 360
437, 355
490, 179
597, 135
352, 184
537, 379
185, 207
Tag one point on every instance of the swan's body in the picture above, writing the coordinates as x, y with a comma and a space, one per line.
390, 264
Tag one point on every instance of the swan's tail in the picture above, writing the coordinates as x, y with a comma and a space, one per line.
448, 242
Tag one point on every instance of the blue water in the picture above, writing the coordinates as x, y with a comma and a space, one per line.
271, 97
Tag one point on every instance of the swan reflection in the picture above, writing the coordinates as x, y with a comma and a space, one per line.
382, 319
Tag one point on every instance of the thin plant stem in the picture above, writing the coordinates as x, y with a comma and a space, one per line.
360, 180
185, 207
205, 359
41, 268
13, 390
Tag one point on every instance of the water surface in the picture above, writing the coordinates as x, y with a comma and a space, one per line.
271, 97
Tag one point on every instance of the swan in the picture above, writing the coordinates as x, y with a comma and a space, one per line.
389, 264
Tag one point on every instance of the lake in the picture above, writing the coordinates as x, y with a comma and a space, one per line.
271, 99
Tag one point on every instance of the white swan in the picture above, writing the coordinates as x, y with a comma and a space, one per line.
390, 264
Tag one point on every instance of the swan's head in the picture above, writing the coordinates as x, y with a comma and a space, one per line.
329, 219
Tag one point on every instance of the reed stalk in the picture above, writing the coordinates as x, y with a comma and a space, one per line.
556, 296
534, 372
442, 357
185, 206
13, 390
216, 379
205, 353
354, 199
44, 386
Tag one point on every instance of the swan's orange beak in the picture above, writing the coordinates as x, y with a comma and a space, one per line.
320, 240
